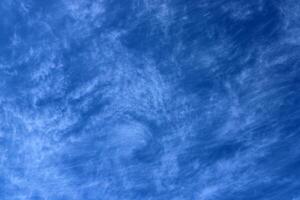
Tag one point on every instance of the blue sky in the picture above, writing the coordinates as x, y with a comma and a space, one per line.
149, 100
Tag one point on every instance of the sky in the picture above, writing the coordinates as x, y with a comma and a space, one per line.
149, 100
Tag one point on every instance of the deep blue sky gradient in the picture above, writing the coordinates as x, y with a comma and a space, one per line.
149, 100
